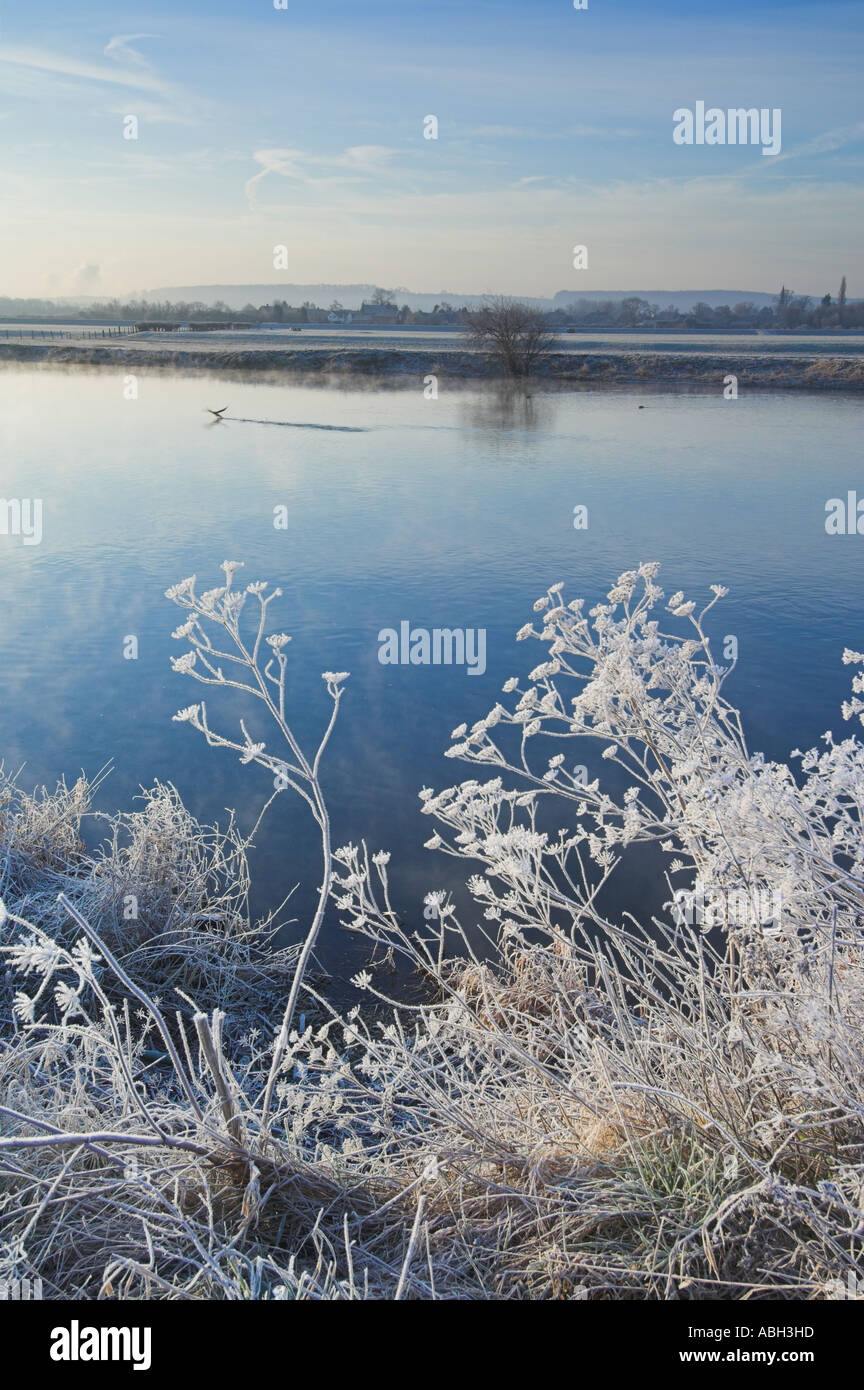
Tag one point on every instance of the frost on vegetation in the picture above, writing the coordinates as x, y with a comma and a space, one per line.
580, 1105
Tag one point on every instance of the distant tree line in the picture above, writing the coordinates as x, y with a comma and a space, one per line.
789, 311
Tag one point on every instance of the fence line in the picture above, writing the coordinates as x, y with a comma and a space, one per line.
62, 333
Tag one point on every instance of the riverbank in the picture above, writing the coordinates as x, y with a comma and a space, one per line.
594, 1110
769, 370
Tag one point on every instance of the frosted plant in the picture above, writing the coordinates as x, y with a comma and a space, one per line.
743, 1020
169, 895
579, 1103
122, 1181
742, 828
258, 667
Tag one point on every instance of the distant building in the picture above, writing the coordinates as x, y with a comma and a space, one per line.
378, 313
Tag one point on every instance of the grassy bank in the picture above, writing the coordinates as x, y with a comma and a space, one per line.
772, 370
598, 1108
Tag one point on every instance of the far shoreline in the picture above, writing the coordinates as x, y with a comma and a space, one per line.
769, 371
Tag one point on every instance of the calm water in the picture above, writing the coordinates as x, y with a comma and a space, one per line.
448, 513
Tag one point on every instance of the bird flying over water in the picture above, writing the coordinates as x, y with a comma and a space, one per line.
217, 413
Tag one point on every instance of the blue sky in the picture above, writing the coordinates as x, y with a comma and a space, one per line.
303, 127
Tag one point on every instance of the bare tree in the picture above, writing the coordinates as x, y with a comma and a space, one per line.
514, 333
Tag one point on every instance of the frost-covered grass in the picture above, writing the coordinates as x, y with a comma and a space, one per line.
586, 1107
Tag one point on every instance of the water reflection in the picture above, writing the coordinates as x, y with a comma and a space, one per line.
453, 512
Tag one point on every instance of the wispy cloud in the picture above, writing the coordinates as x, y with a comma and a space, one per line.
678, 219
120, 47
46, 61
128, 69
826, 143
550, 135
354, 165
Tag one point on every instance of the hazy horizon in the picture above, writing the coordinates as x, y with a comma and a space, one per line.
292, 293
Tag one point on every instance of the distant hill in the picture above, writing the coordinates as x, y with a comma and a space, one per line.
349, 296
352, 296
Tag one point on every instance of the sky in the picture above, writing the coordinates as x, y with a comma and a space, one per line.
303, 127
